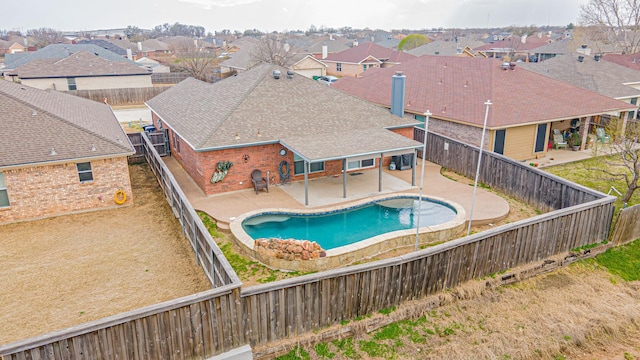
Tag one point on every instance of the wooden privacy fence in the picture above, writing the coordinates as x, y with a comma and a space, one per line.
168, 78
628, 226
295, 306
226, 317
537, 188
158, 139
125, 96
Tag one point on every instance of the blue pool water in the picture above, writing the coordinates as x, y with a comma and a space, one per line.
348, 226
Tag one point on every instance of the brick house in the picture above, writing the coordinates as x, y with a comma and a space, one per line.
526, 106
257, 120
82, 71
61, 154
355, 61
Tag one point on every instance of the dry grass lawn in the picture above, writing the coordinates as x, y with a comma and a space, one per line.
68, 270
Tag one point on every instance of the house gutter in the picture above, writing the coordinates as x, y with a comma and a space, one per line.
64, 161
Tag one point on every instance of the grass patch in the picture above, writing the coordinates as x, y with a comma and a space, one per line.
297, 353
387, 311
623, 261
375, 349
322, 349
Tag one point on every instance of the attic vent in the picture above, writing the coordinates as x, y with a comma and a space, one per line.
290, 74
276, 74
581, 58
596, 57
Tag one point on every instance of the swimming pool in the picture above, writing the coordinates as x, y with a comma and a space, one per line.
346, 254
336, 228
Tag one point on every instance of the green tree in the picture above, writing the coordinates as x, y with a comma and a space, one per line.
413, 41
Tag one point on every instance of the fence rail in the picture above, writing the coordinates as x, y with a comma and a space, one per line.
158, 139
125, 96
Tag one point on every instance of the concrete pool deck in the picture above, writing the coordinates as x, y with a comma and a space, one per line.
327, 191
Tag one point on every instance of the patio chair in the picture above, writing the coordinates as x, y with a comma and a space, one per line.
559, 142
258, 181
602, 136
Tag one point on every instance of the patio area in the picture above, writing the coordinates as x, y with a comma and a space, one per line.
328, 191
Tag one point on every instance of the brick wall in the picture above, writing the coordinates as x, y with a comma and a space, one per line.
45, 191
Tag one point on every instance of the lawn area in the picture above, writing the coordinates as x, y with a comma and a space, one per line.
546, 317
583, 173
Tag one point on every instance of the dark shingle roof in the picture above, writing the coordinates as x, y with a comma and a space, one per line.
456, 88
35, 121
109, 45
60, 51
601, 76
78, 64
260, 109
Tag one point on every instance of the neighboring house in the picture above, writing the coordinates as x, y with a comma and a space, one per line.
257, 120
153, 65
512, 48
353, 62
526, 106
60, 154
447, 48
152, 48
592, 73
241, 59
82, 71
322, 47
15, 48
308, 66
631, 61
58, 51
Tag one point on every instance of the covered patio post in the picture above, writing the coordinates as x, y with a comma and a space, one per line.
306, 182
380, 175
344, 178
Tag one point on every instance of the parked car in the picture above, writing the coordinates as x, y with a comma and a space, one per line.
327, 80
223, 55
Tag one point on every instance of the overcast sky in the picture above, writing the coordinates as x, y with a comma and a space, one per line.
278, 15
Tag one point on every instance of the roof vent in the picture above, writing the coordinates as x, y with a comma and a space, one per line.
290, 74
276, 74
581, 58
505, 66
596, 57
512, 65
53, 152
584, 46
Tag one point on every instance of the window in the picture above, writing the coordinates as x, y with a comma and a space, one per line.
4, 195
298, 166
360, 164
338, 67
84, 172
364, 67
71, 83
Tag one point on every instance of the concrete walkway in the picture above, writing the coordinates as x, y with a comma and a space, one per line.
327, 191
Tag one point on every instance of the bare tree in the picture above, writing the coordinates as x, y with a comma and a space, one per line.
622, 155
273, 49
195, 61
45, 36
616, 20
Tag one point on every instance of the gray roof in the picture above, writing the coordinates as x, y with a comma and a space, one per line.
109, 45
36, 121
600, 76
254, 108
446, 48
78, 65
563, 46
242, 59
389, 43
60, 51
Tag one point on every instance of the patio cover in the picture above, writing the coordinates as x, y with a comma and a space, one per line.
349, 144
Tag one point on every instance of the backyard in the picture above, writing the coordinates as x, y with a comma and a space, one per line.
68, 270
